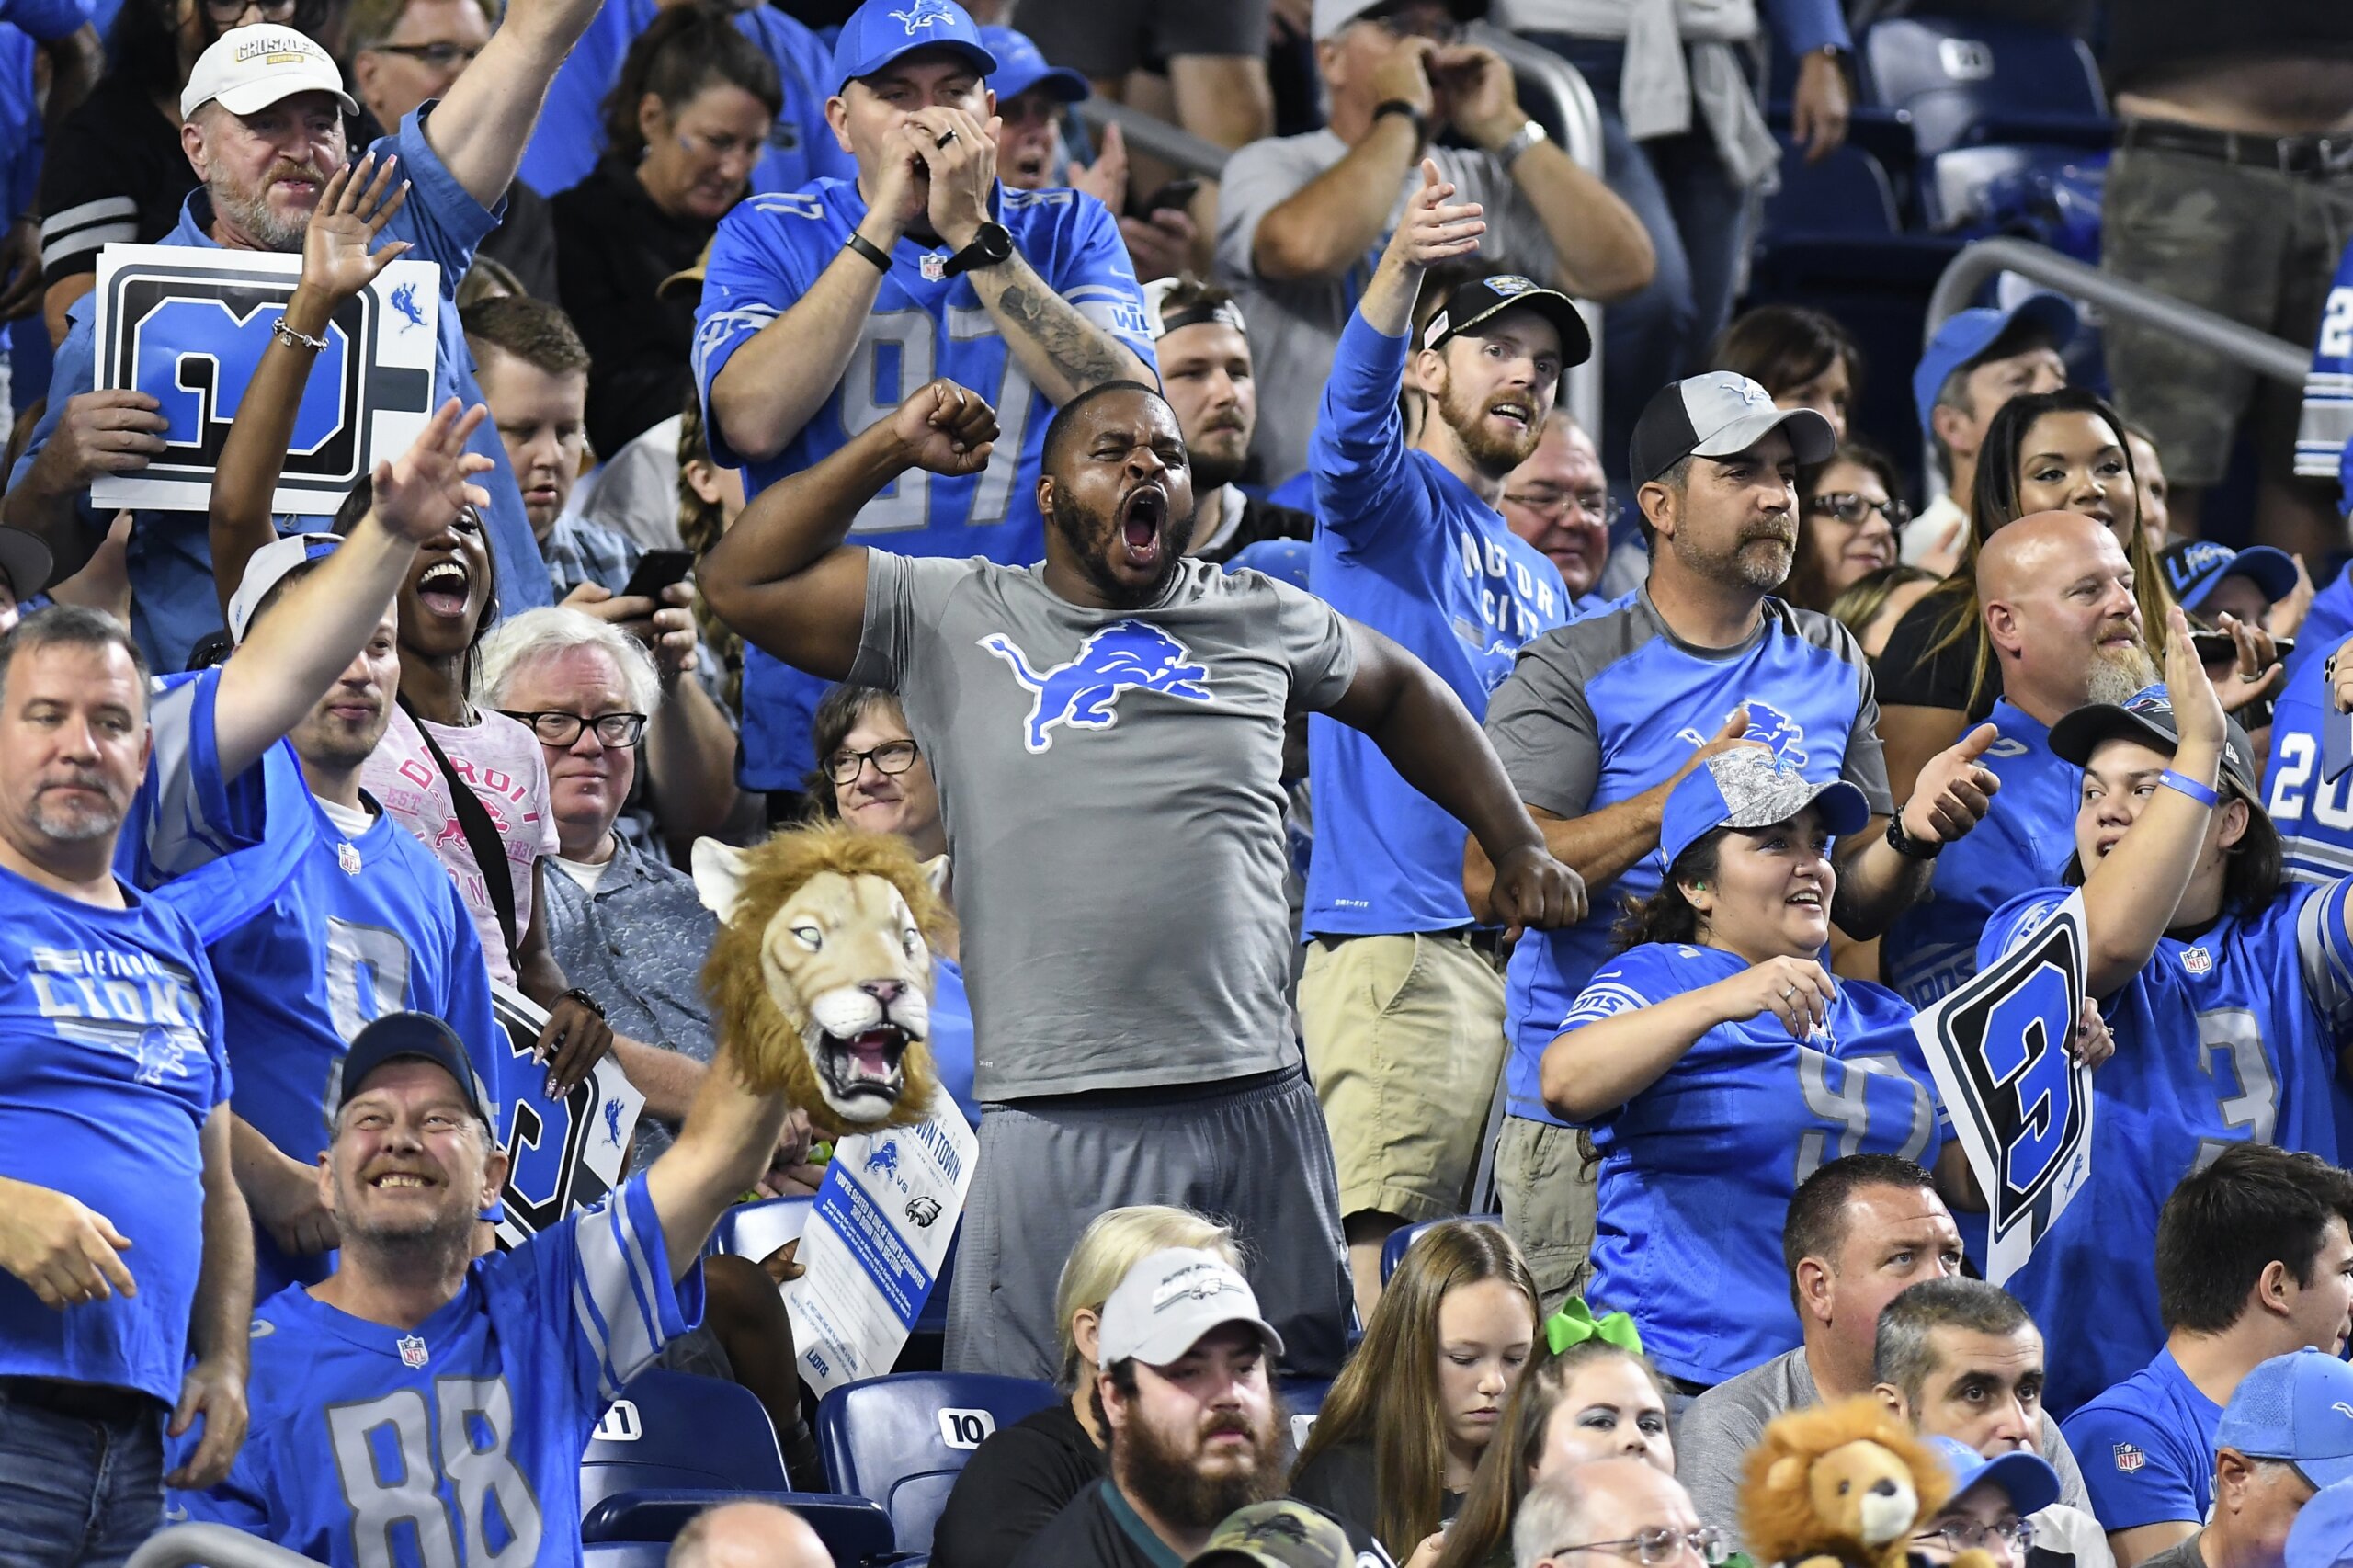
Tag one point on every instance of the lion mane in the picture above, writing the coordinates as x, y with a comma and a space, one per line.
767, 1044
1779, 1521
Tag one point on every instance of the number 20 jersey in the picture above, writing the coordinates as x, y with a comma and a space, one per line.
2229, 1037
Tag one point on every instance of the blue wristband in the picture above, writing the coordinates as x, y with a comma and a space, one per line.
2189, 786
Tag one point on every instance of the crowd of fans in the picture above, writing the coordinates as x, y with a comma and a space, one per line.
1368, 797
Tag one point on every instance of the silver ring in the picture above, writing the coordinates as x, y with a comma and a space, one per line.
1788, 992
945, 139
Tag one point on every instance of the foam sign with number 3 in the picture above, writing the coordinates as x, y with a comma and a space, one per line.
2020, 1105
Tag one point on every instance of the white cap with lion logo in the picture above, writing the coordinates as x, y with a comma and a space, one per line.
245, 70
1171, 1299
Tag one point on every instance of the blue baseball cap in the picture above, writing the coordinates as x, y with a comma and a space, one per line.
1285, 560
2194, 567
2323, 1534
1965, 337
396, 1036
2024, 1476
881, 31
1749, 787
1021, 66
2297, 1409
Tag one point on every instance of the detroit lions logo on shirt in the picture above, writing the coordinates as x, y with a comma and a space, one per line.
923, 13
1768, 726
1083, 694
130, 1003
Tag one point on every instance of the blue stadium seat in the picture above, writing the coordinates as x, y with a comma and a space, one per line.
1393, 1251
625, 1554
902, 1440
674, 1433
1846, 194
855, 1531
754, 1230
1972, 80
2051, 195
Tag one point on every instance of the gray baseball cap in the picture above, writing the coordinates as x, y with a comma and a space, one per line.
1171, 1299
1330, 16
1716, 415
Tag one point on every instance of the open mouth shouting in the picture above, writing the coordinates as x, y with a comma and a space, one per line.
443, 588
1143, 526
1514, 414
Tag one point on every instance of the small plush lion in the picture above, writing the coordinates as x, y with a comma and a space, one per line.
1841, 1486
821, 977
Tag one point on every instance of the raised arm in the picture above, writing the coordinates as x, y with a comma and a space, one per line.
1435, 229
219, 1321
1430, 739
485, 119
1333, 220
781, 575
1950, 797
721, 1153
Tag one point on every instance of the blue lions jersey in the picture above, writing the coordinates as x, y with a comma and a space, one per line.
1697, 1170
2229, 1036
767, 254
2314, 815
2026, 839
2146, 1447
1406, 548
1609, 707
2325, 435
458, 1444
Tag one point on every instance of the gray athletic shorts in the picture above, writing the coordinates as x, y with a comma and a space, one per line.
1105, 40
1253, 1156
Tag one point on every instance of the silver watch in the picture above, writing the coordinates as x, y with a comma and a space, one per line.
1527, 136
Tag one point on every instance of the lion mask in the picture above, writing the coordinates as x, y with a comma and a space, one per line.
1840, 1485
821, 978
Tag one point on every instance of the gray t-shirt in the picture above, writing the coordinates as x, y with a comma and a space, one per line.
2180, 1554
1295, 326
1111, 788
1719, 1427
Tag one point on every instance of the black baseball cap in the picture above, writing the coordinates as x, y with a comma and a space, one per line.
2148, 718
396, 1036
1483, 299
1716, 416
25, 561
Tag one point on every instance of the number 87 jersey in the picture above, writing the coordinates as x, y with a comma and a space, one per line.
771, 250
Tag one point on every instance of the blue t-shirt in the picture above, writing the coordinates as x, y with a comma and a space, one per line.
570, 135
459, 1442
2146, 1447
2229, 1036
1697, 1170
110, 1060
1405, 547
2026, 840
951, 1035
769, 253
174, 604
2314, 816
1609, 706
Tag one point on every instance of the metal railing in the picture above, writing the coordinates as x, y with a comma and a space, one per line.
1150, 134
213, 1546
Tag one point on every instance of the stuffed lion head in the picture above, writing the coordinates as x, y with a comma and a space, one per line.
821, 978
1844, 1483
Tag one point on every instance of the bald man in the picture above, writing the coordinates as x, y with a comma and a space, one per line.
2056, 595
748, 1534
1608, 1501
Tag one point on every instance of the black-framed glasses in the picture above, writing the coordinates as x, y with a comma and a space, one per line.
890, 758
1972, 1534
1398, 21
226, 12
557, 727
1854, 508
1656, 1549
1554, 507
439, 55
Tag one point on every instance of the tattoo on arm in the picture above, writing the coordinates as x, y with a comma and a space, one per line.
1083, 351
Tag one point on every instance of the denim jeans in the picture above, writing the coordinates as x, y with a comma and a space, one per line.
1698, 221
76, 1494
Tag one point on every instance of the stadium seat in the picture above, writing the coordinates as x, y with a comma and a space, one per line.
1964, 81
672, 1433
755, 1229
1304, 1399
625, 1554
1393, 1251
855, 1531
902, 1440
1846, 193
2051, 195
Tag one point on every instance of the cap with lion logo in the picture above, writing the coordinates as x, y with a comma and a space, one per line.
1282, 1534
2297, 1409
249, 69
1171, 1299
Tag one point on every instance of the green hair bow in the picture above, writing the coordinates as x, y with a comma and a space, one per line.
1574, 1324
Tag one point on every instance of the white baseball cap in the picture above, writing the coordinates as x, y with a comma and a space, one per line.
1171, 1299
266, 567
249, 69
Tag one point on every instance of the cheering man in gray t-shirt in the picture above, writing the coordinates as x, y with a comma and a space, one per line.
1106, 730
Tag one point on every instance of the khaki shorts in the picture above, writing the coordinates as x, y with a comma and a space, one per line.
1548, 1203
1405, 1040
2253, 245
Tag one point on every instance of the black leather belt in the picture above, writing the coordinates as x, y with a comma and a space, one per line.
2284, 154
79, 1402
1485, 938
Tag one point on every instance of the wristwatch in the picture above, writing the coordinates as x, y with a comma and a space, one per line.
1399, 107
1911, 848
992, 244
1527, 136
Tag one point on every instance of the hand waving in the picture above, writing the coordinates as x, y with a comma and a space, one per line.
1434, 229
421, 494
353, 210
1953, 791
2197, 710
945, 429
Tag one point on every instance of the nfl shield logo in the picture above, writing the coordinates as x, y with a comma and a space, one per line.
2129, 1458
2197, 960
934, 267
348, 858
413, 1354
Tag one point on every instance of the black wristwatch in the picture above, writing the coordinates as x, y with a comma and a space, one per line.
1911, 848
992, 244
1399, 106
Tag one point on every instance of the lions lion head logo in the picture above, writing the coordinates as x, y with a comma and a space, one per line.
821, 977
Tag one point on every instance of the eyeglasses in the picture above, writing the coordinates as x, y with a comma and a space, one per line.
440, 56
1656, 1549
1599, 504
556, 728
226, 12
888, 758
1852, 508
1401, 24
1970, 1535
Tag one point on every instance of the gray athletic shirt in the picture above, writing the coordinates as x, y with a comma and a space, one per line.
1111, 784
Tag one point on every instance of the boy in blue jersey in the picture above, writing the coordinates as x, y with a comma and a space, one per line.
1401, 998
1599, 720
2254, 1260
2229, 991
2056, 592
822, 310
425, 1407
